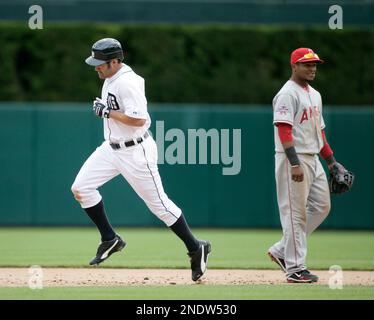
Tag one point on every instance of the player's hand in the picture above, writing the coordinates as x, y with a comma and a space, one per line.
100, 109
297, 173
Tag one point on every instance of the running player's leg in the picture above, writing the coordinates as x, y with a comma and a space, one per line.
96, 171
139, 167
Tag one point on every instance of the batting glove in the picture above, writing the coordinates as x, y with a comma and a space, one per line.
100, 109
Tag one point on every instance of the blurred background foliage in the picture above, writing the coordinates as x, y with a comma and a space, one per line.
194, 63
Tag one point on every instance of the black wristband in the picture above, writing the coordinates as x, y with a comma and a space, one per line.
330, 160
292, 156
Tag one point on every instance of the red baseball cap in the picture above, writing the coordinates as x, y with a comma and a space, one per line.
304, 55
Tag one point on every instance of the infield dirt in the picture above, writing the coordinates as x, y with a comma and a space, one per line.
51, 277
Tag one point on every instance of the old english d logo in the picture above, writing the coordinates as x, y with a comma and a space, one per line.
112, 101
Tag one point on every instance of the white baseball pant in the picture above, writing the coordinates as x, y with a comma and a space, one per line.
138, 165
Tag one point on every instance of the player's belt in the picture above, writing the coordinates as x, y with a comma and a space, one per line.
129, 143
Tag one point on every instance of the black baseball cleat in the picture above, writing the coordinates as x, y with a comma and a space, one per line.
278, 261
199, 259
303, 276
107, 248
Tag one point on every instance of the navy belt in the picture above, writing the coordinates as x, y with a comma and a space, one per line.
129, 143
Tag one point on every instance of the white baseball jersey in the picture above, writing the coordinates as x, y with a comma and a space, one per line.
301, 108
125, 92
303, 206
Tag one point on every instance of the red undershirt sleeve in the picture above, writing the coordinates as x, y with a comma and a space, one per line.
285, 132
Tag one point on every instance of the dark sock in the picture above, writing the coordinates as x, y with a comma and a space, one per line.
181, 229
98, 216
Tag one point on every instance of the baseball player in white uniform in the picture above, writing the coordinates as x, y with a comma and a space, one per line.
302, 188
128, 150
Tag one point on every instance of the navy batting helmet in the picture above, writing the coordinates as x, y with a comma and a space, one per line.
105, 50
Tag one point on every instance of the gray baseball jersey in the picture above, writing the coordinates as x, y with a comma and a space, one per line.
302, 109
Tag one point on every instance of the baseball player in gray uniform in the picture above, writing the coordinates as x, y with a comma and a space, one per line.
128, 150
302, 188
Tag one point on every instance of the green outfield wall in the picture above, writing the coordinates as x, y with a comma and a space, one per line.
44, 146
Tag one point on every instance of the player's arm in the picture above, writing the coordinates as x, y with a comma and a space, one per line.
134, 105
284, 111
104, 111
326, 152
286, 138
125, 119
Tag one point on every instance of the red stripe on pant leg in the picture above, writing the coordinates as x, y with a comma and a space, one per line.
289, 199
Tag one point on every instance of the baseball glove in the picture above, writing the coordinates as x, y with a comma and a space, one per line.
341, 180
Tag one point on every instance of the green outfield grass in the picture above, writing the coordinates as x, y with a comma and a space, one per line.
159, 248
193, 292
